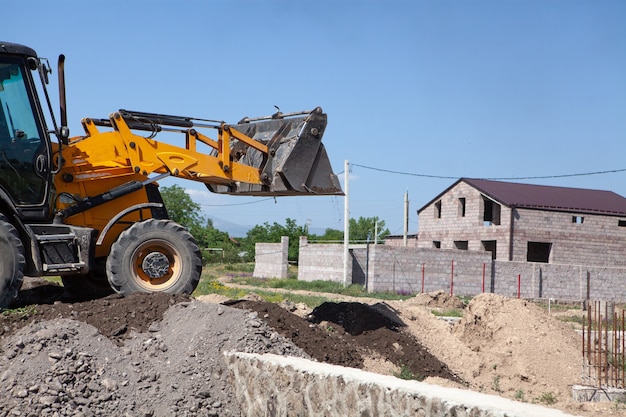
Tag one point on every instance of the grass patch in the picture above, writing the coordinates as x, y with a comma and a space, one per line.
20, 312
54, 280
572, 319
407, 374
496, 384
556, 306
242, 274
242, 267
453, 312
547, 398
332, 287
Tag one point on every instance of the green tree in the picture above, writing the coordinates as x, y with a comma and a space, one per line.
181, 208
360, 228
273, 233
329, 235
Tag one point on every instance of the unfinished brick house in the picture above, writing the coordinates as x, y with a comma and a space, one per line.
523, 222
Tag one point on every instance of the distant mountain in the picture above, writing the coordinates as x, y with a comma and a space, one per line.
233, 229
241, 230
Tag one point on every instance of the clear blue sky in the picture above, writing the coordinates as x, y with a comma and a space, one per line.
466, 88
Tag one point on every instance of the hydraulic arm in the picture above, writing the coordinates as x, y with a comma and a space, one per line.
275, 155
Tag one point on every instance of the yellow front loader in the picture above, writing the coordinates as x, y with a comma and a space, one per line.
88, 208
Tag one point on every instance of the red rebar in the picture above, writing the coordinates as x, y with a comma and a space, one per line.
423, 267
452, 280
519, 285
596, 343
583, 350
614, 353
606, 344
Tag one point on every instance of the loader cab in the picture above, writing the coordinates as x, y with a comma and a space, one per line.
25, 152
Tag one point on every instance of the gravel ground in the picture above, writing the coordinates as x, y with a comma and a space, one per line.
66, 367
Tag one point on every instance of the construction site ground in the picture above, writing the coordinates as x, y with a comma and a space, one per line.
157, 355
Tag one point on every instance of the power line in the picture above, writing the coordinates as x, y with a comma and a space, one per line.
446, 177
492, 178
238, 204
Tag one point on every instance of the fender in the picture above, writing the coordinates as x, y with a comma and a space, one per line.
123, 213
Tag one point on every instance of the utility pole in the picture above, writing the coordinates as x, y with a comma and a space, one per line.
406, 217
376, 232
346, 222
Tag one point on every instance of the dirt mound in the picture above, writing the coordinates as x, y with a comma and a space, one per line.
528, 349
355, 318
348, 333
113, 316
439, 299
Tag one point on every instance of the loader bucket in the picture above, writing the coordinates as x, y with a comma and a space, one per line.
296, 162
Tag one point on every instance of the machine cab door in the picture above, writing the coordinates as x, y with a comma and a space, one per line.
24, 148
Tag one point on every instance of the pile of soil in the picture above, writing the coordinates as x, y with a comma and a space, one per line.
143, 355
348, 333
160, 355
438, 299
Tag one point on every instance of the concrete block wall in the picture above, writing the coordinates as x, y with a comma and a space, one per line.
271, 259
400, 270
565, 282
272, 386
320, 262
449, 224
398, 240
598, 240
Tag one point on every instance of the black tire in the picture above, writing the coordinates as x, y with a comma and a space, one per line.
12, 262
91, 286
154, 256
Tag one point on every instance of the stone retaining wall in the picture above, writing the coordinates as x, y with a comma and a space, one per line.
271, 386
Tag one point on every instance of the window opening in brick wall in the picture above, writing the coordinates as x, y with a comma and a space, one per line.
491, 212
490, 246
538, 252
462, 207
578, 219
461, 244
621, 223
438, 209
436, 244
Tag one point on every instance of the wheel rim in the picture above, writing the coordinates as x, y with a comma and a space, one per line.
156, 265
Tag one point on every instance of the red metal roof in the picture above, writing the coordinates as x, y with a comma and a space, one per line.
545, 197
